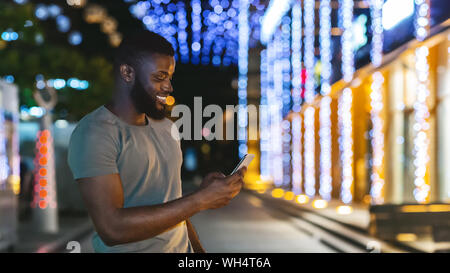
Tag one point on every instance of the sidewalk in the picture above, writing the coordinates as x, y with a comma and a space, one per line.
353, 226
71, 227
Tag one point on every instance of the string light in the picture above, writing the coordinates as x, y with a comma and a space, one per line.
296, 154
325, 104
286, 97
182, 34
296, 45
309, 49
4, 167
346, 144
276, 105
421, 113
347, 50
376, 104
309, 152
44, 194
264, 118
242, 81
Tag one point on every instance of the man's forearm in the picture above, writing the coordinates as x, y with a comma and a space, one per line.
139, 223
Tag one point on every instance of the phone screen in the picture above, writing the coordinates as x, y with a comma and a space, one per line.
245, 161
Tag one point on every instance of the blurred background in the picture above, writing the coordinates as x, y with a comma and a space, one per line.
353, 155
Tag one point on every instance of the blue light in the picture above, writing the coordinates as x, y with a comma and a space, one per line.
84, 85
41, 12
75, 38
9, 79
63, 23
54, 10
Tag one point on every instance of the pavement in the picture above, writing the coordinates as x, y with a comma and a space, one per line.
71, 228
252, 223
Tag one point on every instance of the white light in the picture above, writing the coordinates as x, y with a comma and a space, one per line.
297, 154
346, 18
376, 103
421, 111
244, 33
272, 18
346, 144
276, 106
395, 11
325, 148
422, 19
296, 59
61, 123
264, 118
309, 50
310, 176
37, 111
325, 108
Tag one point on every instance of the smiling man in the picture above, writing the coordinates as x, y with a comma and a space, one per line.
128, 165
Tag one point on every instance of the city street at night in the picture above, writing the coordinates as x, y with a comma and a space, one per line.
250, 132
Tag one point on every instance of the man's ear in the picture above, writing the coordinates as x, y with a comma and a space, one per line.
127, 73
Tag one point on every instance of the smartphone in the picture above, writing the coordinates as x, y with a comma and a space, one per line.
245, 161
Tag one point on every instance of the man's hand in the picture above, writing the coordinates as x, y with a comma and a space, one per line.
217, 190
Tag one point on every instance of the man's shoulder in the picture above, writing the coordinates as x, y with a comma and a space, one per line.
96, 121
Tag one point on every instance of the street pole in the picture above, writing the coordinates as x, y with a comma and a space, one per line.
45, 209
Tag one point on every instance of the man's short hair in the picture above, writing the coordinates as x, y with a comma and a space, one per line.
139, 45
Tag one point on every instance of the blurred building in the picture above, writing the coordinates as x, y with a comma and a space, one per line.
360, 91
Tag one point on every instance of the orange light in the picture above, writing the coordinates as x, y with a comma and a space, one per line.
45, 133
43, 193
42, 172
406, 237
43, 150
42, 204
289, 195
43, 161
278, 193
170, 100
43, 182
43, 139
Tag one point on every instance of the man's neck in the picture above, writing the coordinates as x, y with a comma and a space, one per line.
125, 110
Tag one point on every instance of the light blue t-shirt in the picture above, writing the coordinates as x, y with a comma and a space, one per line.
148, 160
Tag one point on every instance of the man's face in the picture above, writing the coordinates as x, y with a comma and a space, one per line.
152, 85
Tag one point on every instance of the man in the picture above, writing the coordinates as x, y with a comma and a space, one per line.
128, 165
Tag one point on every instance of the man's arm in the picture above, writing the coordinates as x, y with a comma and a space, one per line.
193, 237
103, 196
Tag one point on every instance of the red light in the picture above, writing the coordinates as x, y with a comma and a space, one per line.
42, 204
42, 172
43, 139
43, 150
43, 182
43, 193
43, 161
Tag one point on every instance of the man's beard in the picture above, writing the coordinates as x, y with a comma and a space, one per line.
146, 103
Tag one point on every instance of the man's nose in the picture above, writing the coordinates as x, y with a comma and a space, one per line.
167, 87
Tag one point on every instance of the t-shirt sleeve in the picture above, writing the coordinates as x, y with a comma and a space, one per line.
93, 151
